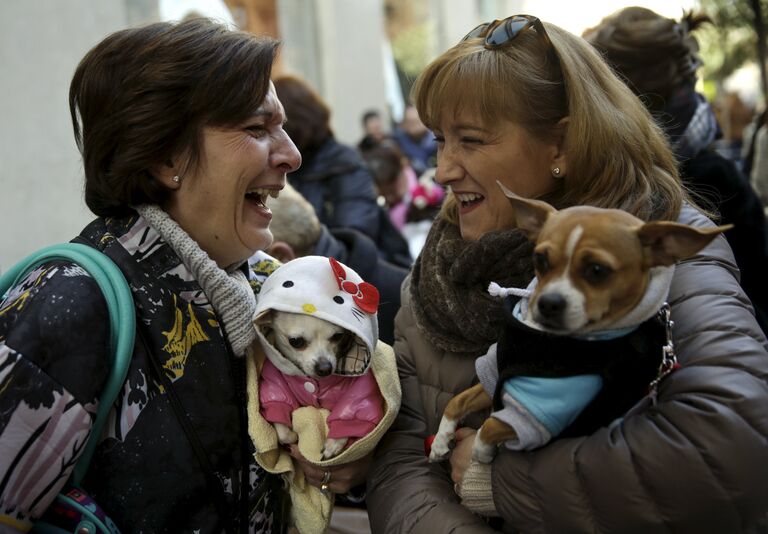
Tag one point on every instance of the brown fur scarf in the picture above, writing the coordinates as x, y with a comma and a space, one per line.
449, 285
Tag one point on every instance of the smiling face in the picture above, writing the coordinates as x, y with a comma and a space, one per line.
472, 156
221, 202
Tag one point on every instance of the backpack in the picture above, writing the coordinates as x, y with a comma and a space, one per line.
73, 510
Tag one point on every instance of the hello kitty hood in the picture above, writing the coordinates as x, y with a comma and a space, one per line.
326, 289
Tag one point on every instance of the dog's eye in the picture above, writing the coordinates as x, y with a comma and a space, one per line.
594, 273
540, 262
337, 337
297, 342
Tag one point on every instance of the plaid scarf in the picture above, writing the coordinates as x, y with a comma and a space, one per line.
700, 130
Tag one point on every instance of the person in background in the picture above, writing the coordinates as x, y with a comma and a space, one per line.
182, 139
536, 108
373, 129
298, 232
734, 115
415, 141
659, 58
406, 197
756, 156
334, 178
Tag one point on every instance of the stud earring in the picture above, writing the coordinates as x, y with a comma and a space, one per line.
556, 172
176, 179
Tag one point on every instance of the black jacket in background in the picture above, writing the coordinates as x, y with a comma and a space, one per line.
336, 181
722, 187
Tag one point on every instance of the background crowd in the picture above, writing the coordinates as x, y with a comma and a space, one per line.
182, 185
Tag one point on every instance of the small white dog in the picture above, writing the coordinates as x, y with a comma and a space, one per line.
316, 320
314, 346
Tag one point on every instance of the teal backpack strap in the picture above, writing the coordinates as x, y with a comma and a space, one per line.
122, 321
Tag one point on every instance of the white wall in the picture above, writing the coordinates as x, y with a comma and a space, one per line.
336, 45
41, 42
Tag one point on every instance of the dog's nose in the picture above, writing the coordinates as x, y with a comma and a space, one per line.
323, 368
551, 305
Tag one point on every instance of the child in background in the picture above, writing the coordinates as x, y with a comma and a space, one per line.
401, 192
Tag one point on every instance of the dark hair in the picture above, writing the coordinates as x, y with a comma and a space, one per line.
384, 160
141, 97
308, 115
370, 114
655, 54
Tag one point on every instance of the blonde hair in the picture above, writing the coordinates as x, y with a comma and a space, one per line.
617, 157
294, 221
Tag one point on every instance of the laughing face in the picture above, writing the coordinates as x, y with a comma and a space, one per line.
221, 202
472, 156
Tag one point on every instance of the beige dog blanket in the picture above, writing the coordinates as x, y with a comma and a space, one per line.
311, 509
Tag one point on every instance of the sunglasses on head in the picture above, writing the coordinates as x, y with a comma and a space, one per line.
500, 32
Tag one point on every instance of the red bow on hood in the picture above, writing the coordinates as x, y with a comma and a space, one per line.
365, 295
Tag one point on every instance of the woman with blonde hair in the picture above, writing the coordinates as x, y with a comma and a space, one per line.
536, 108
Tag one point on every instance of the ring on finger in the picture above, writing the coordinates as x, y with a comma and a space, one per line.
324, 488
326, 478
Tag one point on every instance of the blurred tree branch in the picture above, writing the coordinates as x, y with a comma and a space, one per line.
737, 36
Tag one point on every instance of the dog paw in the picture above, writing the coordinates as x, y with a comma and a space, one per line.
285, 435
483, 452
440, 447
333, 446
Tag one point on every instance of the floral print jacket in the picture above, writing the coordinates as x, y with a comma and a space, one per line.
54, 357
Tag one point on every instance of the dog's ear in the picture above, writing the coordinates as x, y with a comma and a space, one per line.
530, 214
264, 324
669, 242
265, 318
345, 344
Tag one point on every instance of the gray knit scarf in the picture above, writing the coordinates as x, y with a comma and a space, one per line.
229, 293
449, 285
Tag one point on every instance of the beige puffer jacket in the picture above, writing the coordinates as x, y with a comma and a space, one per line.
697, 461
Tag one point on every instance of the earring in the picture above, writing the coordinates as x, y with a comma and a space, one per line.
176, 179
556, 172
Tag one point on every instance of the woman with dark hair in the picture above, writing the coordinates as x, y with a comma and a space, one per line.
182, 140
334, 178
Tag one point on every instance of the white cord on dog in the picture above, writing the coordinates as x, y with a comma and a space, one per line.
497, 291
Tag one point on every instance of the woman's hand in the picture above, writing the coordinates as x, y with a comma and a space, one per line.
462, 453
342, 477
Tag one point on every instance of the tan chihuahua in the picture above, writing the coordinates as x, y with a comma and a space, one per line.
313, 345
592, 268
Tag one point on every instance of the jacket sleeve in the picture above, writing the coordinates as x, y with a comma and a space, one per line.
54, 349
695, 460
407, 494
358, 411
539, 408
276, 400
354, 202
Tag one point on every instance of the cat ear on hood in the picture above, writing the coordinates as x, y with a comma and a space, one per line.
364, 295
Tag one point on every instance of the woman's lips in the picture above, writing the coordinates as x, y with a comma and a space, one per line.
468, 201
256, 203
